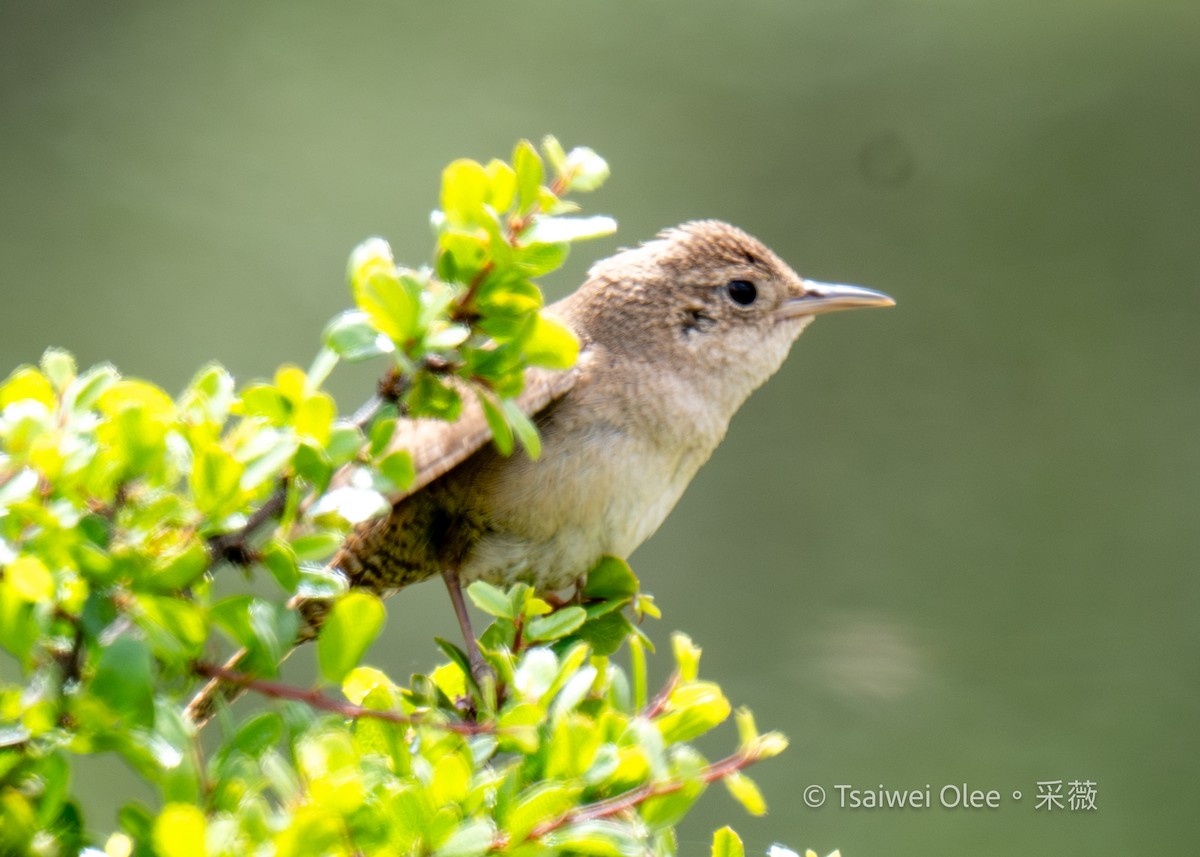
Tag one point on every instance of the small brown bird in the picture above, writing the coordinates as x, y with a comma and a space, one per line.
675, 335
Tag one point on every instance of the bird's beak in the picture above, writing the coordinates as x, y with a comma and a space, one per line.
827, 297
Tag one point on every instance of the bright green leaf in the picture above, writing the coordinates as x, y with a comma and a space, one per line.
473, 839
586, 170
27, 383
353, 337
726, 843
397, 468
388, 304
58, 366
124, 680
557, 624
528, 166
687, 656
280, 560
523, 428
550, 343
352, 625
464, 191
490, 599
611, 578
180, 831
502, 435
541, 803
29, 579
554, 153
745, 791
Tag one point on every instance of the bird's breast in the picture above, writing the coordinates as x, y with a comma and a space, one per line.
595, 490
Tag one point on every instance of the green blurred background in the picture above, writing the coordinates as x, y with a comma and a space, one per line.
951, 542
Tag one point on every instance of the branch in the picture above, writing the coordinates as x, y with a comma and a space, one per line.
634, 797
316, 699
233, 546
661, 698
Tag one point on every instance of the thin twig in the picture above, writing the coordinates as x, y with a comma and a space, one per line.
628, 800
316, 699
659, 702
232, 546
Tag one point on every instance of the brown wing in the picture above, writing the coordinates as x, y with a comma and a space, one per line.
438, 446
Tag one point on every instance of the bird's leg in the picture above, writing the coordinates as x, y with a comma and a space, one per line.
478, 668
560, 601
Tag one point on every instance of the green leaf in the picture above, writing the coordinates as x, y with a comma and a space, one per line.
27, 384
457, 678
637, 666
349, 630
747, 730
586, 170
502, 435
345, 442
29, 579
550, 343
86, 390
502, 185
215, 481
692, 709
687, 656
263, 400
398, 469
266, 629
258, 734
528, 166
554, 153
536, 673
523, 428
381, 435
557, 624
464, 191
59, 366
611, 578
320, 581
317, 546
124, 680
596, 839
210, 395
538, 260
551, 230
269, 466
179, 831
430, 396
451, 779
473, 839
353, 337
726, 843
540, 803
490, 599
606, 633
280, 560
745, 791
390, 306
175, 628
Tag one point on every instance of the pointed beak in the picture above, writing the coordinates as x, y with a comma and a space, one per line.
826, 297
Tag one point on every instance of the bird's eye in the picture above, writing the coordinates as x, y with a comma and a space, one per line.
741, 292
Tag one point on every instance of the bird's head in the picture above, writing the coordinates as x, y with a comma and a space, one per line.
707, 301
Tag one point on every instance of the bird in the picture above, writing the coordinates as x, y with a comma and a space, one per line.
674, 335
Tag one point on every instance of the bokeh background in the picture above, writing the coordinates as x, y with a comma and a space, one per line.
953, 542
